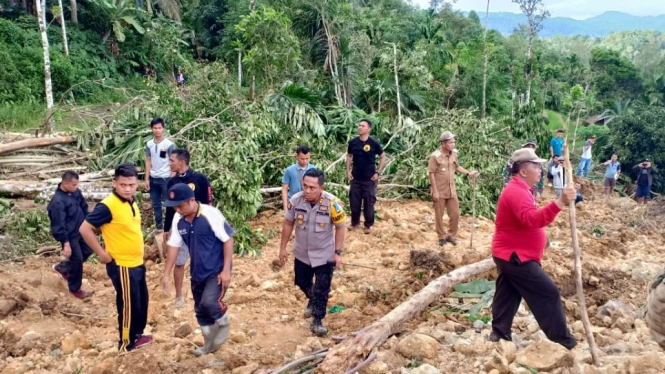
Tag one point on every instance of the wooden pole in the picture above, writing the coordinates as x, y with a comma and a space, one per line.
578, 263
473, 211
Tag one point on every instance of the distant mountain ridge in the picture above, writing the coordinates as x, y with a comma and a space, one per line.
598, 26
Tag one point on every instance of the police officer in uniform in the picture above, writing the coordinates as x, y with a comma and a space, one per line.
319, 221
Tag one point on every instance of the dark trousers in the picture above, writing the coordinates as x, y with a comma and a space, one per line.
157, 195
74, 264
131, 300
362, 194
206, 301
317, 292
528, 280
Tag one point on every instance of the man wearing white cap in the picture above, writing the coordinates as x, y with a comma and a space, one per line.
443, 164
517, 248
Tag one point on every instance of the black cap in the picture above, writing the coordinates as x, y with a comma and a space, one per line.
178, 194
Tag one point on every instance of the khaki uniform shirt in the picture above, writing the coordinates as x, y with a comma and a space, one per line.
443, 166
315, 235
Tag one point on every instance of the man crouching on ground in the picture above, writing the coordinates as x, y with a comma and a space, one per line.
208, 236
517, 249
317, 247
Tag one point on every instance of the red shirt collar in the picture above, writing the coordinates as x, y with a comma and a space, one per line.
522, 183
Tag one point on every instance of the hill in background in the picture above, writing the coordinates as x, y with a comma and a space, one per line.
602, 25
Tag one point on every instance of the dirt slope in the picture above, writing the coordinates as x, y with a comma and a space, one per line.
43, 330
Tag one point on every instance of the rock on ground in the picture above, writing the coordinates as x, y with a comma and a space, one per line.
425, 369
545, 356
417, 346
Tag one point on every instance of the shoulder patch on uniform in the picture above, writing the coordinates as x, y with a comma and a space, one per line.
337, 215
289, 206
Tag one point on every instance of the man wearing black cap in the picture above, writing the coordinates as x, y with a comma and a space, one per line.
645, 174
199, 183
364, 177
517, 248
209, 238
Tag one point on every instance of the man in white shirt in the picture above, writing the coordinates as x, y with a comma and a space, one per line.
559, 174
585, 162
157, 169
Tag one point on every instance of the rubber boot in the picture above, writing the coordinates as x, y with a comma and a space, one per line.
209, 333
308, 310
223, 328
317, 328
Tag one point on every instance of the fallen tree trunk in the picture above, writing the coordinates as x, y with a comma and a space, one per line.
37, 189
36, 142
350, 352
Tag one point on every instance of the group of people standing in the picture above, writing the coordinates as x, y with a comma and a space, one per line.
193, 228
644, 171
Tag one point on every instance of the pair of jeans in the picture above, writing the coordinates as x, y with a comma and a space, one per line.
158, 189
585, 165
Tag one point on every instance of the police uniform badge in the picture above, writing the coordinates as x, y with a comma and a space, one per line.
300, 218
192, 186
337, 215
366, 148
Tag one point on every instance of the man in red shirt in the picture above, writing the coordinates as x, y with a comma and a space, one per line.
517, 248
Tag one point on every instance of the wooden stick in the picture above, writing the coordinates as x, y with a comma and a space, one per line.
84, 315
360, 265
300, 361
578, 263
473, 211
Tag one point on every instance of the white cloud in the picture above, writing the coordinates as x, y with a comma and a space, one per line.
578, 9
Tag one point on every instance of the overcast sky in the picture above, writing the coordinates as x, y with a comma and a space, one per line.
578, 9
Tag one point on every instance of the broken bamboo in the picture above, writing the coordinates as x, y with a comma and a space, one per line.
578, 262
350, 352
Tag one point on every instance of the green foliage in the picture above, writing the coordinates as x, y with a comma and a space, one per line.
614, 76
271, 48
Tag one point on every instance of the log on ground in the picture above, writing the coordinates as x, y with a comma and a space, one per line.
36, 142
354, 350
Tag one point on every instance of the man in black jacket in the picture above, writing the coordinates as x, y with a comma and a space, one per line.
67, 211
179, 163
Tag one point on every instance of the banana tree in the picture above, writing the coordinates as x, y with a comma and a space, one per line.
121, 15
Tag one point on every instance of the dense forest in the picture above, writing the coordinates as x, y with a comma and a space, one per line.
262, 76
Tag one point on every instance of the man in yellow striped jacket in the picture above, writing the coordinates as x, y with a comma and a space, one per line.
119, 219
